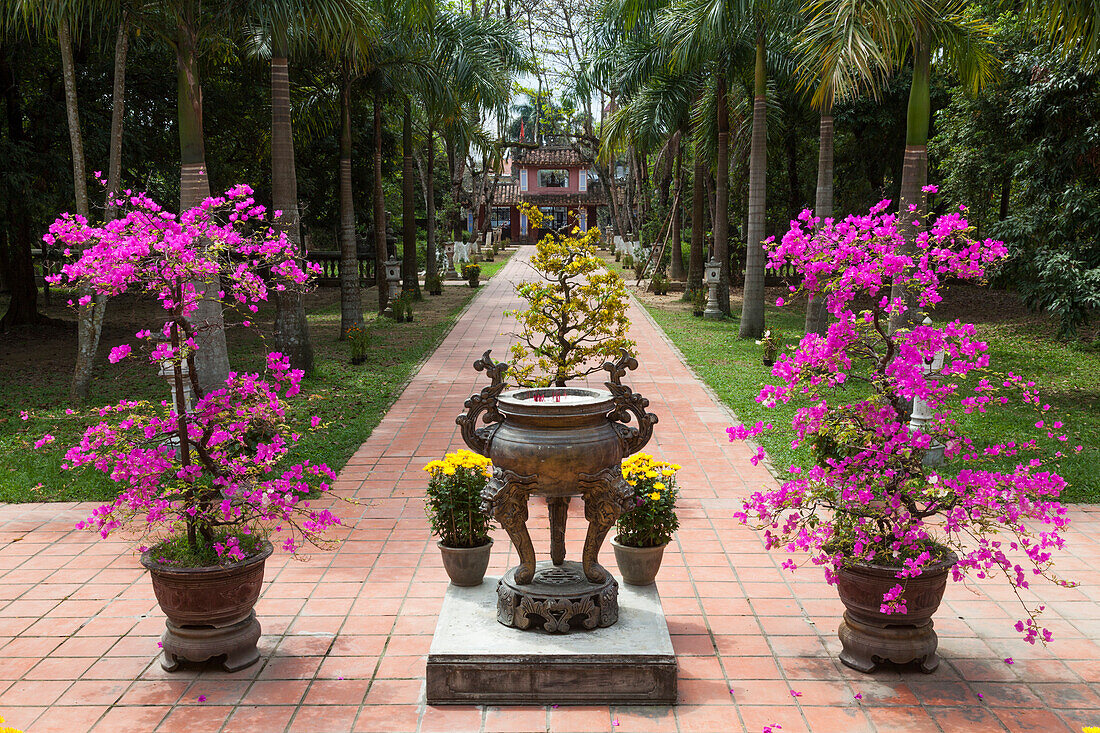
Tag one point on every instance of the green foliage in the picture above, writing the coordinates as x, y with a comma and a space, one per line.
1025, 153
699, 301
1070, 384
433, 284
659, 284
628, 262
471, 272
357, 343
576, 313
453, 501
653, 519
178, 552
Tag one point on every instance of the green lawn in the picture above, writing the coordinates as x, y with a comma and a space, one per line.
1069, 376
351, 400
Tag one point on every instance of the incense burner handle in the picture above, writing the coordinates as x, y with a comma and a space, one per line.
478, 439
627, 403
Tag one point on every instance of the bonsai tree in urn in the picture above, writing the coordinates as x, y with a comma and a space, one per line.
204, 479
575, 319
881, 511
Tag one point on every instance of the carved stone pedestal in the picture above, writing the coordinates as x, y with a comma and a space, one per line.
868, 645
198, 644
559, 599
475, 660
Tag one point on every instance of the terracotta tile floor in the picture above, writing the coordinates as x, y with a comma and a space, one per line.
345, 633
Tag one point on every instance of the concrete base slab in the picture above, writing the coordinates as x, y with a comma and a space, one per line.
474, 659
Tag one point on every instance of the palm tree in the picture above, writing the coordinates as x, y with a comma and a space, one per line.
728, 31
475, 59
281, 23
917, 31
838, 61
1072, 24
61, 18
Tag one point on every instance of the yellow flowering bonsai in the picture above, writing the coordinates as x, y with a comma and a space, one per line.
575, 318
652, 520
454, 499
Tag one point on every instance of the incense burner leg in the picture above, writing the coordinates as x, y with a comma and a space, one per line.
603, 499
505, 497
559, 512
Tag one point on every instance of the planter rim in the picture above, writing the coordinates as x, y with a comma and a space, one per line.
440, 545
593, 402
615, 543
946, 564
153, 566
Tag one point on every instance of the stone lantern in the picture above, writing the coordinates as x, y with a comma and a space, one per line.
393, 277
712, 276
922, 411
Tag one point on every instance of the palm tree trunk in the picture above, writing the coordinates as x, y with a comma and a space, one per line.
914, 174
88, 325
722, 198
379, 211
118, 107
429, 203
677, 263
752, 305
823, 206
350, 302
409, 282
90, 329
72, 115
291, 326
698, 226
212, 356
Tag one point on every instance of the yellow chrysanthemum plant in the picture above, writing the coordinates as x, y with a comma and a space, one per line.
575, 318
453, 501
7, 728
652, 520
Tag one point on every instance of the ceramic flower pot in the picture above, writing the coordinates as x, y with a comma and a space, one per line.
466, 566
870, 636
638, 565
209, 610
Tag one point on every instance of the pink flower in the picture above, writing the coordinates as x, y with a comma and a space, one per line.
118, 353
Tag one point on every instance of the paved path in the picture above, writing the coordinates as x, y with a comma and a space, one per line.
346, 633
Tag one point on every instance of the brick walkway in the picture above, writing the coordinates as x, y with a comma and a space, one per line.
346, 633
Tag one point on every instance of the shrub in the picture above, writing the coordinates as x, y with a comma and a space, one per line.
653, 519
453, 501
576, 313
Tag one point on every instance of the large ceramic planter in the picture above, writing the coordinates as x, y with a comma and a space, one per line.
209, 610
638, 565
466, 566
869, 636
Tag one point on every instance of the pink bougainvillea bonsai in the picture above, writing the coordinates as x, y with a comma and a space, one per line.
205, 478
876, 495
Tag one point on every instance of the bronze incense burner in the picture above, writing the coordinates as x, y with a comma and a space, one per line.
557, 442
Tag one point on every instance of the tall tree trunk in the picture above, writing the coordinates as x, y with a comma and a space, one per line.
698, 225
212, 356
432, 265
823, 206
351, 304
379, 211
291, 327
914, 175
409, 281
90, 326
677, 263
72, 115
118, 108
89, 319
752, 304
721, 198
